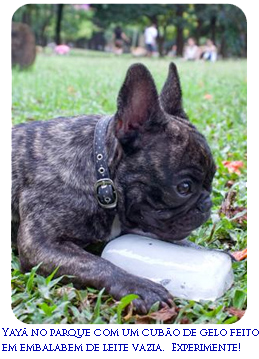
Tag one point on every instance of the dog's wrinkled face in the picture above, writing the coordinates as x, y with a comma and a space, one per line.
166, 170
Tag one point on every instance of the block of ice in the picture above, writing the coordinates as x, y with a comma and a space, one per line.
186, 272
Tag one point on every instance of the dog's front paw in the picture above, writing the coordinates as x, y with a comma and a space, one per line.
148, 292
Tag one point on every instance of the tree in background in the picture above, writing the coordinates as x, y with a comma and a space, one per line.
144, 14
60, 8
38, 17
224, 24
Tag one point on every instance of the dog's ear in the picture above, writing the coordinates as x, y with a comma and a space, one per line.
138, 103
171, 94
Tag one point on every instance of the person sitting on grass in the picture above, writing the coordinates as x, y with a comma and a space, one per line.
119, 37
209, 51
191, 50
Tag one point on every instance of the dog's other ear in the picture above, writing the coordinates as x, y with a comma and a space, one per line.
138, 103
171, 94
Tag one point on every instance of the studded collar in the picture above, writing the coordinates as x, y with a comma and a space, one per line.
105, 191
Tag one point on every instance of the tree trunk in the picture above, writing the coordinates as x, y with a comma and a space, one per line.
198, 31
58, 23
223, 46
179, 31
42, 37
245, 50
26, 17
160, 43
213, 21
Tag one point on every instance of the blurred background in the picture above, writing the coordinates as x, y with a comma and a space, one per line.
122, 28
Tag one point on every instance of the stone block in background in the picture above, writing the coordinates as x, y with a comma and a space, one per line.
23, 45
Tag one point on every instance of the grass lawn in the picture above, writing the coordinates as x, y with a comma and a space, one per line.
215, 100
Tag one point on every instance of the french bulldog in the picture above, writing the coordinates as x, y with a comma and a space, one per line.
160, 174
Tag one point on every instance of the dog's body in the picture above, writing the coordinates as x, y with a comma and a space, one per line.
162, 169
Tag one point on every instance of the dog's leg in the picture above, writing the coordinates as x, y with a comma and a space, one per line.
86, 269
14, 232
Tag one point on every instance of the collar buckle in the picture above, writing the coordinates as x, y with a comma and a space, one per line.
106, 193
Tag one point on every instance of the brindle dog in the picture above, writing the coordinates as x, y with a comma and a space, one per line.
162, 169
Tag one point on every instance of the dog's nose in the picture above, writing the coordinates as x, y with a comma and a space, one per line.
204, 204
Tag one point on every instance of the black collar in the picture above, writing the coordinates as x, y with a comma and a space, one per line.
105, 191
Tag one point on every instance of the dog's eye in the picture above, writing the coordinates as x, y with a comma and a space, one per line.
184, 188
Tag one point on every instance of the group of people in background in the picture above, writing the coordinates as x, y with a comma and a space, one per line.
192, 51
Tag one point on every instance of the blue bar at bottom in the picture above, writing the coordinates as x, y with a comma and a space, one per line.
130, 339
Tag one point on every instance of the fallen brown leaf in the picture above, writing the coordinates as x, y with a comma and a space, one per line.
185, 320
229, 183
64, 291
235, 311
71, 90
208, 96
164, 314
240, 255
129, 312
230, 210
228, 204
233, 166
